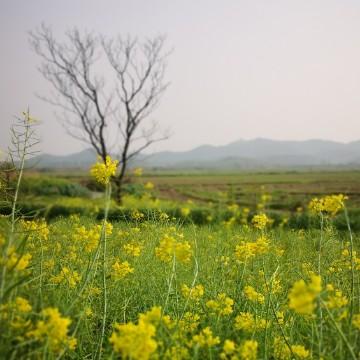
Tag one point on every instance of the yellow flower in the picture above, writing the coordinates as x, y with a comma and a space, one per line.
170, 247
149, 186
16, 261
138, 171
36, 229
195, 293
103, 171
248, 250
282, 351
229, 347
134, 341
300, 351
120, 270
132, 249
330, 204
248, 322
302, 296
71, 278
260, 221
223, 305
22, 305
185, 211
189, 323
336, 300
205, 338
53, 330
252, 295
356, 321
137, 215
248, 350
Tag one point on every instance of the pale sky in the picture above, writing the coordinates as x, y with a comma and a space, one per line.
240, 68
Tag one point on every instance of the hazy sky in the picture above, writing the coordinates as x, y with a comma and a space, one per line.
240, 69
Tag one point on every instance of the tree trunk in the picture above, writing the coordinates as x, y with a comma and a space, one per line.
118, 191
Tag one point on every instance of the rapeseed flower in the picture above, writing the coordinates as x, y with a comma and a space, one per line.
356, 321
302, 296
132, 249
330, 204
248, 350
246, 321
195, 293
103, 171
121, 270
252, 295
222, 305
53, 330
67, 276
260, 221
282, 351
17, 261
135, 342
205, 338
170, 247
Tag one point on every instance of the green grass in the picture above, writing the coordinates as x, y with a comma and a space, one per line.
213, 264
38, 259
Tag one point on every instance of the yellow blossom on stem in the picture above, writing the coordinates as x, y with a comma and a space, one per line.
260, 221
330, 204
222, 305
248, 350
121, 270
205, 338
103, 171
170, 247
53, 330
252, 295
302, 296
195, 293
246, 321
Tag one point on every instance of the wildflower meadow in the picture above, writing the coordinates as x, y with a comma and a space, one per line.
158, 285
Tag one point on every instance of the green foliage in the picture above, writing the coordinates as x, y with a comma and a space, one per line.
46, 186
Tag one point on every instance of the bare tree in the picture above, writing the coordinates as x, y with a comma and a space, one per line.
108, 113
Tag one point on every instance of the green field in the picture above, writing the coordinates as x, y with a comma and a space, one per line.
180, 270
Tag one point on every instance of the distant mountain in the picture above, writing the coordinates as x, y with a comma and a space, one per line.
80, 160
243, 154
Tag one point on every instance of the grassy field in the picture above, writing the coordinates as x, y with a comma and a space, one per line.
163, 284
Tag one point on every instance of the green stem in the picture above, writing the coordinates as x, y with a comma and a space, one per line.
16, 195
342, 335
103, 233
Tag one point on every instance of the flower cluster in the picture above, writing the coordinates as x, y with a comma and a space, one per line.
248, 250
330, 204
121, 270
222, 305
132, 249
36, 229
252, 295
283, 352
137, 341
53, 331
170, 247
195, 293
17, 261
66, 276
103, 171
246, 351
246, 321
302, 296
260, 221
205, 338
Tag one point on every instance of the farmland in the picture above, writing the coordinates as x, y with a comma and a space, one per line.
190, 266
